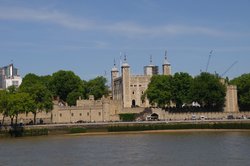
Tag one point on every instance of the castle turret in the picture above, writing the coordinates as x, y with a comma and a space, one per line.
126, 83
150, 69
166, 67
114, 75
231, 104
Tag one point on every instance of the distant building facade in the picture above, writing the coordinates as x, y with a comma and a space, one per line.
9, 76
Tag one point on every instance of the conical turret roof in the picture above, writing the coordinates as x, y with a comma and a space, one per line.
125, 63
114, 69
165, 62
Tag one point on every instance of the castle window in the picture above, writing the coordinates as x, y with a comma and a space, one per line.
88, 114
142, 92
134, 85
60, 115
131, 85
139, 85
72, 114
133, 92
80, 114
99, 113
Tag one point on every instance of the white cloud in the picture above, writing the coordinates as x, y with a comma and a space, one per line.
22, 14
122, 28
129, 28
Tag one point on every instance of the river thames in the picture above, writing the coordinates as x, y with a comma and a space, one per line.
171, 148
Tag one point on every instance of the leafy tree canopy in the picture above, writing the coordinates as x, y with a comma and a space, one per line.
208, 90
243, 86
64, 82
159, 90
35, 86
73, 97
30, 79
180, 88
3, 101
97, 87
19, 103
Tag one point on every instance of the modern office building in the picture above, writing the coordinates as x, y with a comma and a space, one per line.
9, 76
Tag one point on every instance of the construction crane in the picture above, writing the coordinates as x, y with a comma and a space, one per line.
229, 68
209, 58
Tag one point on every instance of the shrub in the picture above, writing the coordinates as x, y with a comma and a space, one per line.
77, 130
128, 117
179, 126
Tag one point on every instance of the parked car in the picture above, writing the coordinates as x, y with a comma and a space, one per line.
230, 117
152, 117
80, 121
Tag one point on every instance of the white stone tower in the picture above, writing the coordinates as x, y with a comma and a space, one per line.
126, 83
231, 104
114, 75
166, 67
150, 69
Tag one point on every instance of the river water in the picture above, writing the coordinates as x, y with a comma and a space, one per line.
170, 149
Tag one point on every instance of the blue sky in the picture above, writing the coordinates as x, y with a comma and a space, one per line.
85, 36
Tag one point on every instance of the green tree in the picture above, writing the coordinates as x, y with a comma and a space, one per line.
85, 89
64, 82
35, 87
30, 79
4, 104
243, 85
72, 97
159, 90
5, 101
97, 87
19, 103
12, 89
45, 80
180, 88
208, 90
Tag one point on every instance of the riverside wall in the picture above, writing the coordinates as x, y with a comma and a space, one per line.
106, 110
97, 114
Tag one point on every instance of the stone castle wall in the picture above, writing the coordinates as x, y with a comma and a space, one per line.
163, 115
108, 110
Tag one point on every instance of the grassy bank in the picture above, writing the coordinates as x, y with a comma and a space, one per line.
22, 132
92, 128
178, 126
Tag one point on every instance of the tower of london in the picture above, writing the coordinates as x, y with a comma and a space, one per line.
128, 88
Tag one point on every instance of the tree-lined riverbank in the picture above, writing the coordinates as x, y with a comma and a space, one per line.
57, 129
